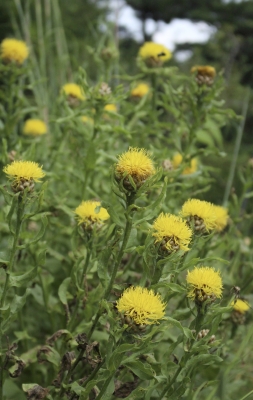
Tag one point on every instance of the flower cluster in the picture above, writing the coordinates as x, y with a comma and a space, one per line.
177, 161
34, 127
204, 284
13, 50
154, 54
172, 233
74, 93
204, 215
140, 90
134, 167
204, 74
23, 174
90, 213
141, 305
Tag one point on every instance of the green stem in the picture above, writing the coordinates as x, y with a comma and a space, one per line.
114, 272
20, 210
168, 387
71, 324
154, 94
236, 148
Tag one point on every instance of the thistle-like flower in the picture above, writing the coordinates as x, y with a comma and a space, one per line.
23, 174
87, 120
171, 233
74, 93
154, 54
140, 90
111, 108
240, 308
177, 161
34, 127
204, 284
221, 220
90, 213
136, 165
201, 213
204, 74
141, 306
13, 50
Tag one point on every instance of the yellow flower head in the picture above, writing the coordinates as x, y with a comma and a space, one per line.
143, 306
204, 283
140, 90
73, 90
221, 220
201, 212
205, 74
137, 163
89, 212
24, 170
172, 232
87, 120
241, 306
34, 127
110, 108
14, 50
154, 54
177, 161
23, 174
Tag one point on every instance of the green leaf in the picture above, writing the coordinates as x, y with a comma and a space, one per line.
141, 370
187, 332
173, 287
203, 359
22, 280
63, 289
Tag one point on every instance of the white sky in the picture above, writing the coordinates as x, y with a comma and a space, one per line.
176, 32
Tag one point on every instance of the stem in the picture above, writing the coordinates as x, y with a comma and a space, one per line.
167, 387
115, 269
92, 376
236, 148
71, 324
154, 86
20, 210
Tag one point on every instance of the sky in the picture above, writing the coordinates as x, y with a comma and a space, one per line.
176, 32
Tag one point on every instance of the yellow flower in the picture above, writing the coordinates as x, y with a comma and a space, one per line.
23, 174
35, 127
87, 120
204, 283
172, 232
143, 306
89, 212
205, 74
202, 213
135, 163
177, 161
241, 306
14, 50
221, 220
73, 90
110, 108
154, 54
140, 90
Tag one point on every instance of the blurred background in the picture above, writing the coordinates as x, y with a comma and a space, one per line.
65, 34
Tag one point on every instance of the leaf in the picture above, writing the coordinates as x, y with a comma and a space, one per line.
22, 280
141, 370
187, 332
42, 230
174, 287
203, 359
63, 289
